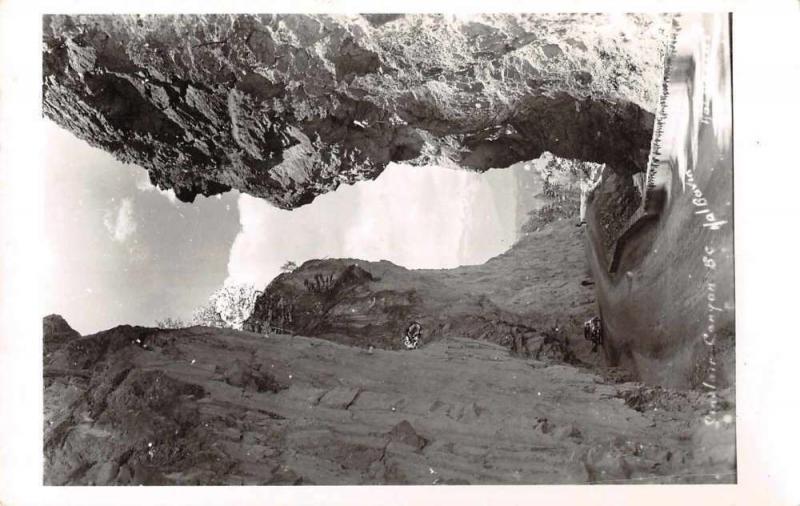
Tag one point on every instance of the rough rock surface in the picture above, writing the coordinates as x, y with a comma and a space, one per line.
57, 332
150, 406
287, 107
664, 270
518, 297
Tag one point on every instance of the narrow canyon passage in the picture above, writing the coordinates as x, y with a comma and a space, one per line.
410, 322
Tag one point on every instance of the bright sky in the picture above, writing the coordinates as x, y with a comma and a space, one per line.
121, 251
418, 217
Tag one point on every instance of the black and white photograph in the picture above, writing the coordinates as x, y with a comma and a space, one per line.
388, 249
376, 249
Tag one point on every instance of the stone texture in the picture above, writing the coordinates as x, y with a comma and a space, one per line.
56, 332
664, 267
287, 107
456, 411
514, 299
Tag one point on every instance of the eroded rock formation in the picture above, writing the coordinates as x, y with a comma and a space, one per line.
517, 299
664, 266
180, 407
57, 332
287, 107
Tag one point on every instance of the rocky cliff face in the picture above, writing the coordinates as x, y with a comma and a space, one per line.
287, 107
136, 405
664, 266
517, 299
57, 332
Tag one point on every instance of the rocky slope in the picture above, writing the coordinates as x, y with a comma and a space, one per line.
57, 332
520, 296
517, 404
535, 297
286, 107
136, 405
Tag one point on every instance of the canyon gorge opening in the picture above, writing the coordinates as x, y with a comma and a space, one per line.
596, 353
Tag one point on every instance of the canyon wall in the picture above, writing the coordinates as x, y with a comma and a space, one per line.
664, 267
316, 389
287, 107
533, 299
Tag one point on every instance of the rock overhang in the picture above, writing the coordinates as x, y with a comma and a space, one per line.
288, 107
